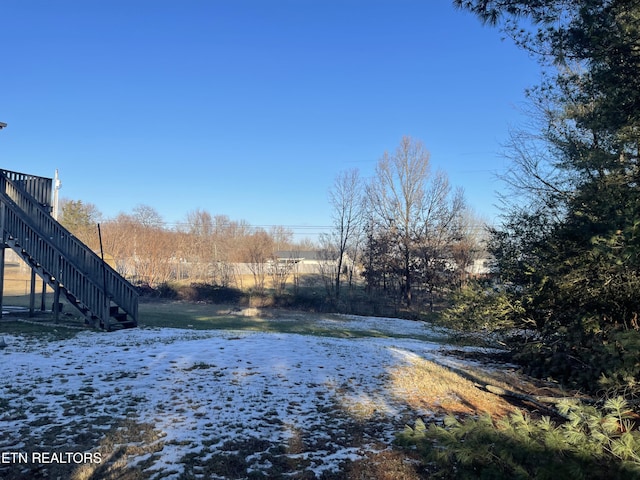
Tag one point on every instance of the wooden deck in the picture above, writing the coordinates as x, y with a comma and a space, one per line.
105, 298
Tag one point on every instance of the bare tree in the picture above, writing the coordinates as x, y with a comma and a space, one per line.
258, 250
412, 219
281, 237
147, 216
199, 246
326, 266
118, 237
155, 261
440, 229
142, 245
279, 270
346, 200
397, 199
469, 246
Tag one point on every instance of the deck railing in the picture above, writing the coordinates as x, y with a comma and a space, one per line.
33, 185
73, 265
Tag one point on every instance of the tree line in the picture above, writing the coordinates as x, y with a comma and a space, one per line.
202, 249
405, 234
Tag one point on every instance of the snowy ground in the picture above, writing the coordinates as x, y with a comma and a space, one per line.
171, 403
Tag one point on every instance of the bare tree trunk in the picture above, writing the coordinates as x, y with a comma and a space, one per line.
346, 200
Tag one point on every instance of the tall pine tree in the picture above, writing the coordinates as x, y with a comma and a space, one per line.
578, 265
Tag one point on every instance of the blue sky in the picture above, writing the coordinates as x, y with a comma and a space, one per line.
250, 108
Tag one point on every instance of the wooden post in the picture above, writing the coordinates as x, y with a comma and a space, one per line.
56, 302
43, 306
106, 315
32, 293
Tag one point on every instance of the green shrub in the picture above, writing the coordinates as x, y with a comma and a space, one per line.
590, 444
596, 362
580, 352
477, 306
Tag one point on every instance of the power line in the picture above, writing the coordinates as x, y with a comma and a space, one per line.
251, 225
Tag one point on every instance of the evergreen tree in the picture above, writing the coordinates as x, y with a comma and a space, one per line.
81, 219
572, 256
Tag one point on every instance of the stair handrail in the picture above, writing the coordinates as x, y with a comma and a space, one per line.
32, 184
79, 259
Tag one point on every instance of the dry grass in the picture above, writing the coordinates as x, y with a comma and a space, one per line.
425, 385
386, 465
116, 447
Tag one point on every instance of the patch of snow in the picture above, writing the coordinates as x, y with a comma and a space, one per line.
207, 390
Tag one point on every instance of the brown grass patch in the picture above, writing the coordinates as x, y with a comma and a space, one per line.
125, 439
425, 385
386, 465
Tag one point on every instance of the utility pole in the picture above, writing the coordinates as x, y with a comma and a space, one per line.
57, 185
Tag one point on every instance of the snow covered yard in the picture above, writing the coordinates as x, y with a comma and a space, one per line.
173, 403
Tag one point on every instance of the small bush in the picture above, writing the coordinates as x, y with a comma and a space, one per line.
145, 290
591, 444
478, 306
308, 300
194, 292
205, 292
163, 290
167, 291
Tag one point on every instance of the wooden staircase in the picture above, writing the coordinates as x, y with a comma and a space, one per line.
105, 298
